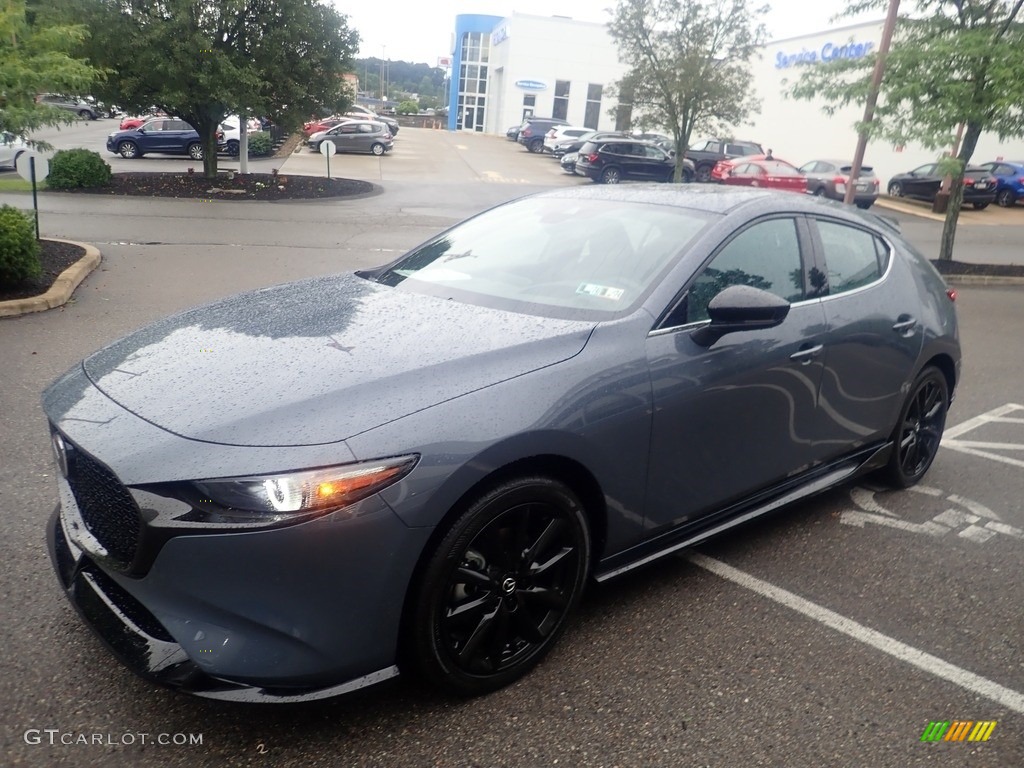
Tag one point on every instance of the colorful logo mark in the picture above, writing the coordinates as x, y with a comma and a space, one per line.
958, 730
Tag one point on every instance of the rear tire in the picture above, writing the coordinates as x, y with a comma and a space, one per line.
919, 429
980, 206
233, 148
704, 173
496, 593
536, 145
377, 149
195, 151
864, 206
611, 176
85, 114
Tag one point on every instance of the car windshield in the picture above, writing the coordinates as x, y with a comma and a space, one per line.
553, 256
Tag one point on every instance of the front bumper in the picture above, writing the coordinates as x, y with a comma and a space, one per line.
216, 618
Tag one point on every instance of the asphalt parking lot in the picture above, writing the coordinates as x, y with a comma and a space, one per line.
832, 634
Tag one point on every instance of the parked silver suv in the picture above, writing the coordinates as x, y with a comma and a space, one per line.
83, 109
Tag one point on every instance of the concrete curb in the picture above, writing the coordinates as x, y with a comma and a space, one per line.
989, 280
62, 287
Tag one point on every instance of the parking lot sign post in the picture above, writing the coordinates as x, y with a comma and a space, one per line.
33, 167
327, 149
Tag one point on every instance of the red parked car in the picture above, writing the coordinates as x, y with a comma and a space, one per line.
770, 174
723, 167
316, 126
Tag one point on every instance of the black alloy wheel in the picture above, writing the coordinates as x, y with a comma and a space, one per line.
233, 148
1006, 198
496, 593
919, 430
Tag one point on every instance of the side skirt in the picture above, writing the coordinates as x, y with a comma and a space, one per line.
815, 482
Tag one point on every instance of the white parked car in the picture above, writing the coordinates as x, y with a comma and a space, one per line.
561, 133
232, 133
11, 147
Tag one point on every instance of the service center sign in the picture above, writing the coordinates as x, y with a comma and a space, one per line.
827, 52
531, 85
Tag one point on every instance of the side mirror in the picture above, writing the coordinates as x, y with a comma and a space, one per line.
740, 308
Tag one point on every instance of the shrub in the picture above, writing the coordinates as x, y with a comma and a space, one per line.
408, 107
260, 144
19, 249
72, 168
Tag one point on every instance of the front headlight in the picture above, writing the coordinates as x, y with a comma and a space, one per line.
291, 495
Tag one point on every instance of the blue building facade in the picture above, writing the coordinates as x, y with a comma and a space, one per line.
467, 96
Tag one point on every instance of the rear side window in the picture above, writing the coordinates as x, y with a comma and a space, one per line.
853, 257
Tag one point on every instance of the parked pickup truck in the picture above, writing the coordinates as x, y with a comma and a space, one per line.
706, 153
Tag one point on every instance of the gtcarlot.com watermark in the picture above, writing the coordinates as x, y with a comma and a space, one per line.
55, 736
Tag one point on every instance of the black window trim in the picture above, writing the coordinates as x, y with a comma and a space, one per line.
808, 260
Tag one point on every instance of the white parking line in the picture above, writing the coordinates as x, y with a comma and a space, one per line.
1009, 698
983, 449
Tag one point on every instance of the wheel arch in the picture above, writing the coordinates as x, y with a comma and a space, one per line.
944, 362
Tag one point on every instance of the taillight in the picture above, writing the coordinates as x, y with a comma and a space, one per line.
968, 182
526, 133
592, 157
1021, 179
876, 184
951, 293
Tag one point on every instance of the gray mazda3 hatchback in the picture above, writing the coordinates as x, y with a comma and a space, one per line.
306, 489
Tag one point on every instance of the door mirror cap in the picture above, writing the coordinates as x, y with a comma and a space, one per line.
741, 308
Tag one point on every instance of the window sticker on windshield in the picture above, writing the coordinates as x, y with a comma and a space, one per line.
601, 291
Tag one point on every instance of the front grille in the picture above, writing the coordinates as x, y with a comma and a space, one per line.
108, 510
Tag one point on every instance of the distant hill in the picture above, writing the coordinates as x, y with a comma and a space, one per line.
402, 79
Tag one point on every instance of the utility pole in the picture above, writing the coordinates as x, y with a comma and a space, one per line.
869, 107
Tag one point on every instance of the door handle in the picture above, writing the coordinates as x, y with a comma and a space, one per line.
806, 354
904, 324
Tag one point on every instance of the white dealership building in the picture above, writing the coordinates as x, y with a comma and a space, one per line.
506, 68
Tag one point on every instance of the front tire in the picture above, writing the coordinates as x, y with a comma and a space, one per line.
895, 189
1006, 198
495, 595
919, 429
129, 150
85, 114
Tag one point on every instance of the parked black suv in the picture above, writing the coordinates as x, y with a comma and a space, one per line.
610, 161
534, 129
707, 153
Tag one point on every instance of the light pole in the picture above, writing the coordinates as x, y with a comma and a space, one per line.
383, 52
869, 108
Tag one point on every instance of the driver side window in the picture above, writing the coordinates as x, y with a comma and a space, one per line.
765, 256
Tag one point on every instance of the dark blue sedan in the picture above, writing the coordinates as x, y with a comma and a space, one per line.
161, 135
303, 490
1010, 177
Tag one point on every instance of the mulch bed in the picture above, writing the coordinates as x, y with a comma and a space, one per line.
249, 186
55, 258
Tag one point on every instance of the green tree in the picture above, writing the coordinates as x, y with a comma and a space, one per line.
205, 59
408, 107
953, 64
689, 63
36, 58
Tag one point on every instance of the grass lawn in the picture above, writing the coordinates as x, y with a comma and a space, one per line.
19, 185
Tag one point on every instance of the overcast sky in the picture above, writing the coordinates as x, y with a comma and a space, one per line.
420, 30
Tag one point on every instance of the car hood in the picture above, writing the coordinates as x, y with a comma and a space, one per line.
319, 361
